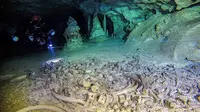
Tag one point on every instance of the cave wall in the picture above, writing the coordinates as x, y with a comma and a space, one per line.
91, 6
125, 14
124, 11
132, 19
172, 35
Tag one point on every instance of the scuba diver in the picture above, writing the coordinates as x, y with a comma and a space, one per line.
36, 31
32, 32
11, 32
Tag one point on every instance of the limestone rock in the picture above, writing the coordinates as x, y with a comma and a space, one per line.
129, 14
185, 3
119, 24
122, 98
72, 29
175, 35
125, 18
72, 35
97, 33
91, 7
141, 31
189, 51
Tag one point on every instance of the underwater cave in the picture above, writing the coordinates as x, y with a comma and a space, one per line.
55, 19
99, 56
109, 27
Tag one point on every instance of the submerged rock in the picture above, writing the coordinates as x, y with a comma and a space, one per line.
185, 3
97, 33
174, 35
72, 35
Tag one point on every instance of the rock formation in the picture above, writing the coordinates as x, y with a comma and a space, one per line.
174, 34
136, 21
90, 6
97, 33
72, 35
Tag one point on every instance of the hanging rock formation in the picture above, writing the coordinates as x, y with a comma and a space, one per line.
91, 6
168, 22
97, 33
125, 18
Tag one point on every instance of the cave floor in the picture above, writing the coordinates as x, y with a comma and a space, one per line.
18, 90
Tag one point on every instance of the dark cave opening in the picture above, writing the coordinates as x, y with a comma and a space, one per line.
109, 24
54, 20
58, 21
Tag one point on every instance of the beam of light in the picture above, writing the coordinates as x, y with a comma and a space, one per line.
51, 49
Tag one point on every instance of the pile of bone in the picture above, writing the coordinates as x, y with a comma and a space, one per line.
126, 86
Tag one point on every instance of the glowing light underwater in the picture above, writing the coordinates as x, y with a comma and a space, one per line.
52, 32
31, 38
51, 48
15, 38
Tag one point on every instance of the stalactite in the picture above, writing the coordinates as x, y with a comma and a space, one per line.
104, 23
89, 24
107, 34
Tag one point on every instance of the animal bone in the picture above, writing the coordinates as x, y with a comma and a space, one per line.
41, 107
115, 99
109, 98
91, 96
156, 98
19, 78
126, 90
149, 103
102, 99
67, 99
6, 77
